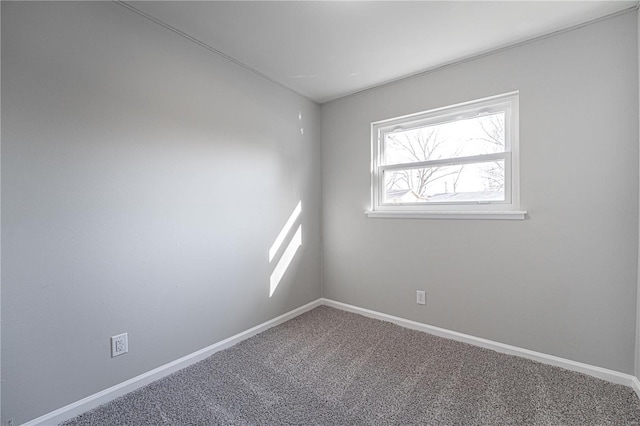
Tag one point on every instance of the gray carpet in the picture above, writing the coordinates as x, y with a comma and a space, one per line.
329, 367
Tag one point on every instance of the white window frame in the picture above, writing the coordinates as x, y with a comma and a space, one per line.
503, 209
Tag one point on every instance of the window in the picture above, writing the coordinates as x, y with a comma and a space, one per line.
454, 162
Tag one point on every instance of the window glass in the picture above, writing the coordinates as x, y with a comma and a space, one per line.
462, 138
446, 184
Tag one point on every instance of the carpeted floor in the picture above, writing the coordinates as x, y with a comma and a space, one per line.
329, 367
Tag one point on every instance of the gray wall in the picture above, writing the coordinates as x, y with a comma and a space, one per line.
637, 348
143, 181
564, 280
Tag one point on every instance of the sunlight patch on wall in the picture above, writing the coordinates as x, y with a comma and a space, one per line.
285, 231
291, 250
285, 260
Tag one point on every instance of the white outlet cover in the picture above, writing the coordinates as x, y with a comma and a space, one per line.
420, 297
119, 344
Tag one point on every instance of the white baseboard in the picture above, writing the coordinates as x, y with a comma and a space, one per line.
599, 372
635, 384
130, 385
120, 389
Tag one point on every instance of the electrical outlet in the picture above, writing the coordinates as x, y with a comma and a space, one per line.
119, 344
421, 297
10, 422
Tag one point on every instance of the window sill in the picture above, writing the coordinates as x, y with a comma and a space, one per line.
482, 215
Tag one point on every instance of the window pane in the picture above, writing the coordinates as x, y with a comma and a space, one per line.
462, 138
446, 184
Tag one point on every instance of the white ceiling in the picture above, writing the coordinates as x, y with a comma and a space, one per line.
328, 49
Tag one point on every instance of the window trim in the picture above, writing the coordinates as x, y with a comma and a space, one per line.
503, 209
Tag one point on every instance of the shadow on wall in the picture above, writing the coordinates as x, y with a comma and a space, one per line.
289, 253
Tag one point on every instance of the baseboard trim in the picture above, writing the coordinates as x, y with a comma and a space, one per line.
109, 394
635, 384
599, 372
